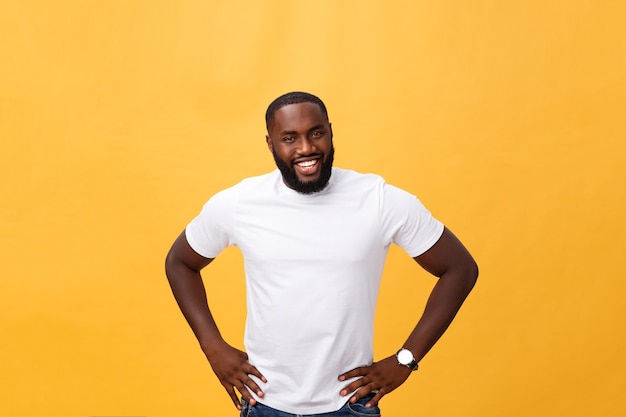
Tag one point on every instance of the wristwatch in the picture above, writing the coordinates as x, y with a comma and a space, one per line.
405, 358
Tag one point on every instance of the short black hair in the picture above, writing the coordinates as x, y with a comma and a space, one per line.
294, 97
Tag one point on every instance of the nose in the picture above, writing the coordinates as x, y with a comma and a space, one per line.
306, 146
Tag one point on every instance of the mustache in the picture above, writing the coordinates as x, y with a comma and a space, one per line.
311, 155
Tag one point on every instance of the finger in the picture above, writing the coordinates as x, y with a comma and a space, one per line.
353, 386
353, 373
376, 398
362, 392
251, 370
252, 386
233, 396
245, 394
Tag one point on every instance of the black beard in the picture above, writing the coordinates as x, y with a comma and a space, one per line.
291, 178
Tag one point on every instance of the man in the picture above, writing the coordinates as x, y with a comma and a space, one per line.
314, 239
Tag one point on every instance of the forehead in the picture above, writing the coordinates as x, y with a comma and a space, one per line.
296, 117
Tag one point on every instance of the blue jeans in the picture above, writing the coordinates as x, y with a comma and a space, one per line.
348, 410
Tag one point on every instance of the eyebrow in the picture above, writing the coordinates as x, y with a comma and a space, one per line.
293, 132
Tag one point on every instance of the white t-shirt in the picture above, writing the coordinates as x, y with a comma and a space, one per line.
313, 265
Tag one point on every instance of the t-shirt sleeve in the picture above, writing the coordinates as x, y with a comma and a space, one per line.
211, 231
407, 223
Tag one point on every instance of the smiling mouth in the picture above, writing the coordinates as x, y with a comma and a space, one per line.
307, 167
307, 164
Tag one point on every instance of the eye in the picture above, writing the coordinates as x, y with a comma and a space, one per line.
289, 139
318, 133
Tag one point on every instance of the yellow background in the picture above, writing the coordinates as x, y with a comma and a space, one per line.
118, 119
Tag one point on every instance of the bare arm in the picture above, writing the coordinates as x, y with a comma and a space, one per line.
457, 271
231, 366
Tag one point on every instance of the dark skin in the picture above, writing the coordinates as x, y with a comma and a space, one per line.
457, 272
230, 365
301, 134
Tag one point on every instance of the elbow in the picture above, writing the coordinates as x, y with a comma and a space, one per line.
169, 264
464, 274
471, 274
172, 264
169, 258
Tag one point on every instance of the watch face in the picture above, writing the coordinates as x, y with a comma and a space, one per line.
405, 356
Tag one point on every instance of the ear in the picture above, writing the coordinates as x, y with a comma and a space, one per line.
268, 140
330, 128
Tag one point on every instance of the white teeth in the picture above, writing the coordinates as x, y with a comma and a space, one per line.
307, 164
